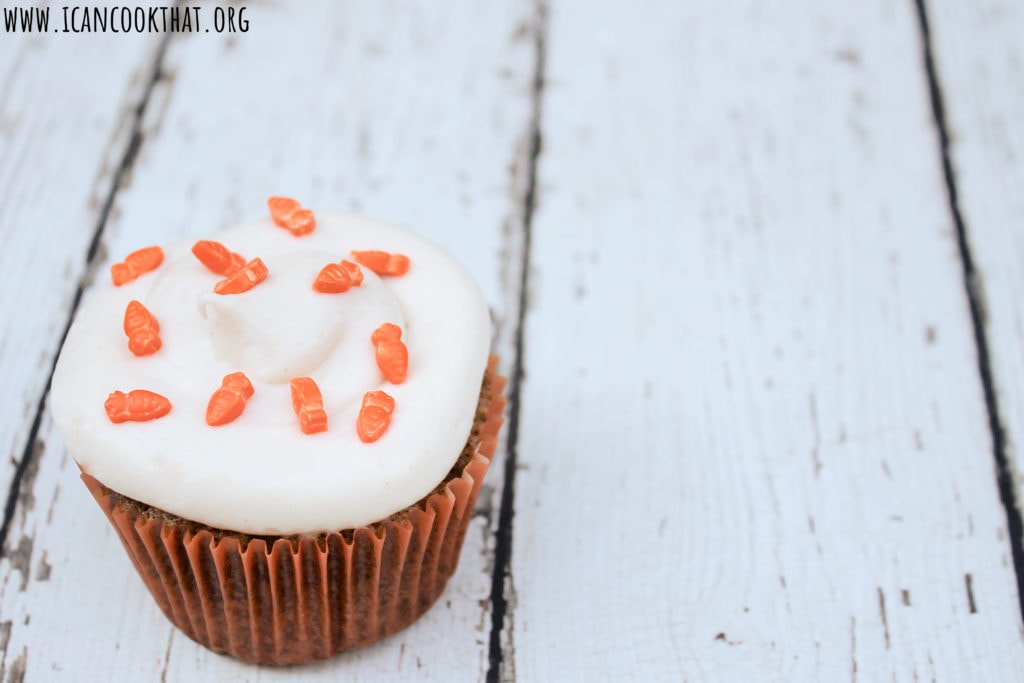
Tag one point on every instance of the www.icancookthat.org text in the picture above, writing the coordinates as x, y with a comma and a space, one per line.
124, 19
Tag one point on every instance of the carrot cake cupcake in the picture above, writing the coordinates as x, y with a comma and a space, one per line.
287, 423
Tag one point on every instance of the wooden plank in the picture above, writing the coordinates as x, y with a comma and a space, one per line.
65, 125
754, 443
405, 114
977, 49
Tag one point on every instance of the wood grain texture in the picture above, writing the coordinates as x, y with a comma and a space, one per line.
65, 119
979, 54
402, 112
753, 439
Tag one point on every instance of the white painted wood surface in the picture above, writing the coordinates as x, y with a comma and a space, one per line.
979, 51
757, 449
752, 442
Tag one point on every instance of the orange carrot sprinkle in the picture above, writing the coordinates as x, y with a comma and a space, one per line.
392, 354
354, 272
251, 274
382, 262
228, 402
335, 278
135, 264
142, 329
374, 415
218, 258
289, 214
309, 405
138, 405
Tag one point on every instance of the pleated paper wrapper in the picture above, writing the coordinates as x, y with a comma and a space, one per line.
297, 599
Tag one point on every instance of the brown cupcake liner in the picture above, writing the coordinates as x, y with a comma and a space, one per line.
296, 599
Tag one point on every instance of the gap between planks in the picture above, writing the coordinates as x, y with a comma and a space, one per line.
976, 302
501, 656
124, 166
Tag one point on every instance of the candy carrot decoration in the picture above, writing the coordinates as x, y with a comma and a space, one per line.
137, 405
142, 329
392, 355
309, 405
374, 415
218, 258
290, 215
382, 262
135, 264
335, 278
251, 274
228, 402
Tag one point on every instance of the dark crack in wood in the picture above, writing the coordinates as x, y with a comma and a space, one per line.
885, 617
500, 664
5, 640
976, 302
972, 606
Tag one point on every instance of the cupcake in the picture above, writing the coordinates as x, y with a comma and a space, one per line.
287, 423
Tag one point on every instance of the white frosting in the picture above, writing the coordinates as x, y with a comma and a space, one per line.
260, 474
